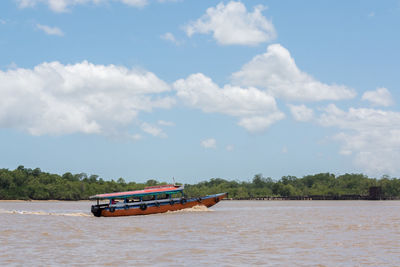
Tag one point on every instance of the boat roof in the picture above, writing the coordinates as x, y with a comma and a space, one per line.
150, 190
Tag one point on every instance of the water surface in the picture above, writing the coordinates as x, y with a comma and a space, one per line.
232, 233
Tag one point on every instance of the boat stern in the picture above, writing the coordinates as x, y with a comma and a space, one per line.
98, 209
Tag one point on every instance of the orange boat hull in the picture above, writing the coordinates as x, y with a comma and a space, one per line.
159, 207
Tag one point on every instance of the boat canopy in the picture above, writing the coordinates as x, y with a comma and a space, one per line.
151, 190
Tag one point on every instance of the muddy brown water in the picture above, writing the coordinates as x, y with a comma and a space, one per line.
232, 233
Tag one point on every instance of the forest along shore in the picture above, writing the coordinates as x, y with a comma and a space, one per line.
34, 184
349, 197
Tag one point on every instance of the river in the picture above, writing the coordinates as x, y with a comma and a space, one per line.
232, 233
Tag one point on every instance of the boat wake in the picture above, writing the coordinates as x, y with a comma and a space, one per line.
198, 208
23, 212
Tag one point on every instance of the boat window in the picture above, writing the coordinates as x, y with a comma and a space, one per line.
133, 199
174, 195
162, 196
148, 197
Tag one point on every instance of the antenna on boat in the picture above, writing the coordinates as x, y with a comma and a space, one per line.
173, 179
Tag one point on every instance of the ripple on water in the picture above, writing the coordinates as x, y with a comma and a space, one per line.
25, 212
282, 233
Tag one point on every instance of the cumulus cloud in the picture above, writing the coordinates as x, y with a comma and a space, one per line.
12, 65
277, 72
53, 98
232, 24
170, 38
255, 109
153, 130
165, 123
371, 135
135, 3
230, 147
260, 123
379, 97
209, 143
50, 30
60, 6
169, 1
301, 112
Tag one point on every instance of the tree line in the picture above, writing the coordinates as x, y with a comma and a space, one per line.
26, 184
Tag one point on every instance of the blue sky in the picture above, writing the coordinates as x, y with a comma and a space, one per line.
146, 89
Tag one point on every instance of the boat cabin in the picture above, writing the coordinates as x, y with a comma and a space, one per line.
151, 193
153, 199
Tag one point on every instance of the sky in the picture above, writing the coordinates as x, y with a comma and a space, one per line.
194, 90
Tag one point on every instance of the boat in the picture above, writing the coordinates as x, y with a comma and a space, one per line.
150, 200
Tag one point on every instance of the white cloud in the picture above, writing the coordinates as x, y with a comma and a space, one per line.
135, 3
301, 112
55, 5
153, 130
260, 123
170, 38
379, 97
57, 99
60, 6
255, 109
276, 72
230, 147
169, 1
231, 24
50, 30
371, 135
209, 143
165, 123
135, 137
27, 3
12, 65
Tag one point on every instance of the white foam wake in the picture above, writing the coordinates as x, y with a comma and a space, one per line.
197, 208
76, 214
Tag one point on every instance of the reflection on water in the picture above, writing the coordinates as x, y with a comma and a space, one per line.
278, 233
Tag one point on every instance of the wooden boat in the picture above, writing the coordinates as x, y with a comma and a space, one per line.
153, 199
